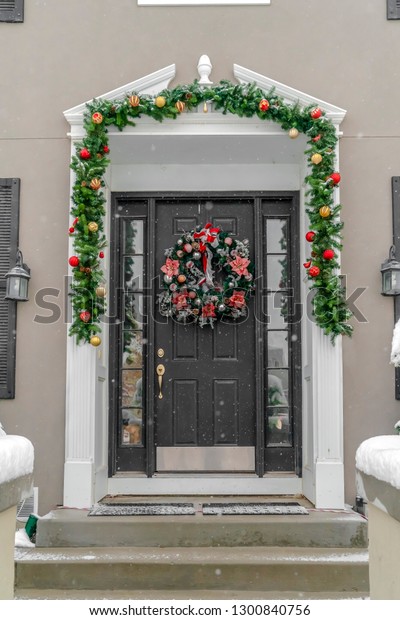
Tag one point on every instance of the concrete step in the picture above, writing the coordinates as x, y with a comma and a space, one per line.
245, 569
180, 595
73, 528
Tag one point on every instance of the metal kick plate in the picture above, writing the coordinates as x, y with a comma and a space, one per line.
206, 459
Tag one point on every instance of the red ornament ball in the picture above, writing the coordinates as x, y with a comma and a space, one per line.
101, 254
317, 138
85, 316
335, 177
106, 149
316, 113
84, 154
263, 105
314, 272
328, 254
72, 230
307, 265
310, 236
73, 261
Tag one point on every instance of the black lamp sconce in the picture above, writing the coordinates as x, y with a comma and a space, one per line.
17, 280
390, 269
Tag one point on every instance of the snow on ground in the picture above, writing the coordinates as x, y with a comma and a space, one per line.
16, 457
380, 457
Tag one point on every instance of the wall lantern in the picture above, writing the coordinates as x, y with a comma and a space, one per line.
17, 280
390, 271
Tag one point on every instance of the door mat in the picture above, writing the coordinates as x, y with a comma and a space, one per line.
137, 510
273, 508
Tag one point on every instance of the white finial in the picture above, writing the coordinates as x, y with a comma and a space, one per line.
204, 68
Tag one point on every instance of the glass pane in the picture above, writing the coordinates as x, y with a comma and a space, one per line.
133, 311
132, 388
277, 269
276, 235
133, 236
278, 349
277, 310
132, 427
278, 426
278, 388
132, 355
133, 273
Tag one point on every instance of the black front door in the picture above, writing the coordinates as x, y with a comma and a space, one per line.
206, 420
231, 395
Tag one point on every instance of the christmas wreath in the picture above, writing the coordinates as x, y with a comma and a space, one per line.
208, 275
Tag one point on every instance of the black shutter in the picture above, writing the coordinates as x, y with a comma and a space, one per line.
11, 10
393, 9
9, 216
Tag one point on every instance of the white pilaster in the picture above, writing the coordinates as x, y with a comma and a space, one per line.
327, 377
80, 425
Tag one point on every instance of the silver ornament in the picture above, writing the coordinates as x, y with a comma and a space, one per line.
197, 301
231, 284
167, 279
196, 255
180, 242
221, 307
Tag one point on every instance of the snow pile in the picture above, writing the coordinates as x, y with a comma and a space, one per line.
16, 457
395, 352
22, 539
380, 457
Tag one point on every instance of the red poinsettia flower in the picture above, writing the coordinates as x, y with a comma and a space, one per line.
208, 310
239, 265
171, 267
180, 300
237, 300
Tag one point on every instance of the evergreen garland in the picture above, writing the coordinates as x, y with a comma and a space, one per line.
90, 163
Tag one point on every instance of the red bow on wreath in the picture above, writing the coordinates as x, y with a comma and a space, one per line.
208, 234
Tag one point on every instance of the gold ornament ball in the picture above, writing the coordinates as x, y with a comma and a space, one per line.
316, 158
293, 133
95, 184
97, 118
100, 291
160, 101
134, 101
180, 106
181, 279
93, 227
95, 341
325, 211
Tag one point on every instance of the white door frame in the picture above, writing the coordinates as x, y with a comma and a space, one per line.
86, 459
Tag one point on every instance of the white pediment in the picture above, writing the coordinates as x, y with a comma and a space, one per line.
150, 84
155, 82
289, 94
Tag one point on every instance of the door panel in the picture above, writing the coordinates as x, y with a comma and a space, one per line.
209, 394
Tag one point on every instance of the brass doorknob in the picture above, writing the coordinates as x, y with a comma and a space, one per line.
160, 370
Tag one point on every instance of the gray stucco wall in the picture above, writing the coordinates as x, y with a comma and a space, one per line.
65, 53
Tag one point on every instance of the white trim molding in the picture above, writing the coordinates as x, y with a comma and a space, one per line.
202, 2
322, 481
